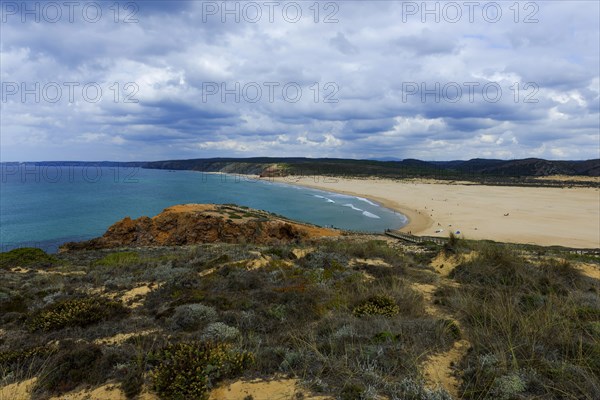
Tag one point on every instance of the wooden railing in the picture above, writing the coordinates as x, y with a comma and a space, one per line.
407, 237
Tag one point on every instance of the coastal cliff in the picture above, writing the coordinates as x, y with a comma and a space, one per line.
202, 223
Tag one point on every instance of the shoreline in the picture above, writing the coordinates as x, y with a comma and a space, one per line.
416, 222
568, 217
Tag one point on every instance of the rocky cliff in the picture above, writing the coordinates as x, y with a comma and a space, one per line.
202, 223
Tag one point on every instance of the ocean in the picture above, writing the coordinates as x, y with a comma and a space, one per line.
47, 206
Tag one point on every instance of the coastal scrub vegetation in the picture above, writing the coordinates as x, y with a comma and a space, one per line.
349, 317
26, 257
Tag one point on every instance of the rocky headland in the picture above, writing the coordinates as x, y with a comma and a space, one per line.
202, 223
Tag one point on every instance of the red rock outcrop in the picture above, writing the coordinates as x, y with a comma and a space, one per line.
202, 223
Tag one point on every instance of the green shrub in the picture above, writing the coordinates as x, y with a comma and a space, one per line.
192, 316
20, 359
377, 305
352, 391
451, 328
13, 303
26, 257
74, 365
453, 244
190, 370
508, 387
132, 379
364, 249
75, 312
384, 336
119, 259
220, 332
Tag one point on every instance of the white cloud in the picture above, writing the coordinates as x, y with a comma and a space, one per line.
365, 58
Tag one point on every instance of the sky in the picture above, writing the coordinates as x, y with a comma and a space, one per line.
151, 80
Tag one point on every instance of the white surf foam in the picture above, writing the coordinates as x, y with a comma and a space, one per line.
324, 198
352, 207
370, 215
367, 201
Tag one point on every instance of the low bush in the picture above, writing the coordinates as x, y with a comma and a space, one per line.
377, 305
494, 265
189, 370
364, 249
189, 317
12, 303
75, 364
453, 245
26, 257
119, 259
132, 379
22, 359
79, 312
220, 332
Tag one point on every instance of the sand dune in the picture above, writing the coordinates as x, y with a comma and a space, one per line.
545, 216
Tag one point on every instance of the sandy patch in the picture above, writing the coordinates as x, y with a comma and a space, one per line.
17, 391
283, 389
207, 271
444, 264
122, 337
439, 370
375, 262
134, 298
259, 262
104, 392
145, 395
21, 270
301, 253
368, 262
427, 291
544, 216
589, 270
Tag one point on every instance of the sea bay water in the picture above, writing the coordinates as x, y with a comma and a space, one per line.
46, 206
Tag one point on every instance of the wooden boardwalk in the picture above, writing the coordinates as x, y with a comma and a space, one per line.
407, 237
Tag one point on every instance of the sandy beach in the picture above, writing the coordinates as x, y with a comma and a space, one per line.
545, 216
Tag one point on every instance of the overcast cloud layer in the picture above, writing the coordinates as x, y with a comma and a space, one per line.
345, 79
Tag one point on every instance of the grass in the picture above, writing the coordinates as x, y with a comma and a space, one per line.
347, 329
529, 325
119, 259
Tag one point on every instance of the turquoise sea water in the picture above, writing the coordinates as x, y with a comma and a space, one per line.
46, 206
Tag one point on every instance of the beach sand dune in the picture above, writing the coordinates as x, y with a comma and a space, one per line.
538, 215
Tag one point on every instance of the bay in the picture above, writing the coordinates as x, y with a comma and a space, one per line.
46, 206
